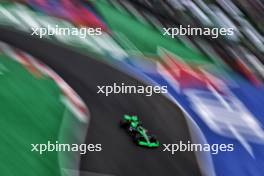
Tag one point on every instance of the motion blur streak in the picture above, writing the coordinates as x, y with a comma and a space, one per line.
216, 81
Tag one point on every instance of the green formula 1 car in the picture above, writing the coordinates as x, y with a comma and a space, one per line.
138, 132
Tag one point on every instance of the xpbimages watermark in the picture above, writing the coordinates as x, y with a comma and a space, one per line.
63, 31
59, 147
188, 146
131, 89
190, 31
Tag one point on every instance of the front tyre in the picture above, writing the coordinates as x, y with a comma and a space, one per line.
123, 123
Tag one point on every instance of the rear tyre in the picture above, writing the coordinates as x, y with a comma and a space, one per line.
152, 139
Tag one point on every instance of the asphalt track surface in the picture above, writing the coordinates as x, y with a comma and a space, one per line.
120, 156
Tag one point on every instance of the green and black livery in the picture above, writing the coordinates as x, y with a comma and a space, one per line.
139, 134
